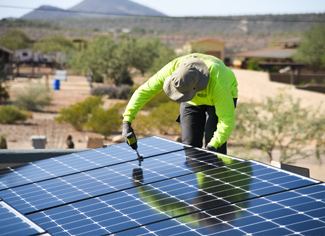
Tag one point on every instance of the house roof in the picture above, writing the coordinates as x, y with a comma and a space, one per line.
6, 50
270, 53
290, 40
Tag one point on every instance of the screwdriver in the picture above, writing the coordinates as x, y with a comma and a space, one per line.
132, 141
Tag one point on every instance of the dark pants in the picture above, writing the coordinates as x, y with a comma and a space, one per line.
197, 121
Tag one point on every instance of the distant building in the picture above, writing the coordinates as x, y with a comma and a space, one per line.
29, 56
208, 46
282, 53
6, 56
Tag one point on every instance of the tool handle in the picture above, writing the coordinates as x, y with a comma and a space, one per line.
132, 140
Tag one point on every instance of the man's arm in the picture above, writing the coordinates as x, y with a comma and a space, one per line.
146, 92
225, 110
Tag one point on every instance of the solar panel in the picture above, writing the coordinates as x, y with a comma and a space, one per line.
178, 190
14, 223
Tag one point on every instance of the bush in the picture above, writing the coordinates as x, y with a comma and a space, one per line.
77, 114
162, 118
10, 114
4, 95
90, 115
104, 121
252, 64
281, 125
119, 92
33, 97
156, 101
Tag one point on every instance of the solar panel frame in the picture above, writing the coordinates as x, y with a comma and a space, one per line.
156, 186
14, 223
180, 184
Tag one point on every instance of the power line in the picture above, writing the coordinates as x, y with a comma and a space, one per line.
224, 18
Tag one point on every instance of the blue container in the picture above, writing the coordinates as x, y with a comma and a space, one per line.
56, 84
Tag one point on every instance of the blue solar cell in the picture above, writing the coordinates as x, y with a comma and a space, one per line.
178, 190
75, 187
261, 216
14, 223
59, 166
213, 188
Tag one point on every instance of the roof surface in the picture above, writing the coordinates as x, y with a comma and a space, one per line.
179, 190
272, 53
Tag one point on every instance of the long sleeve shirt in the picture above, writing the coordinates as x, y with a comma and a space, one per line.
220, 91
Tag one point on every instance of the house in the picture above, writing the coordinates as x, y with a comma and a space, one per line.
29, 56
278, 61
282, 53
6, 56
207, 46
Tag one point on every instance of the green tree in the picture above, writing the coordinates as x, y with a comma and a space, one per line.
113, 59
142, 53
56, 45
281, 125
311, 51
15, 39
162, 57
103, 57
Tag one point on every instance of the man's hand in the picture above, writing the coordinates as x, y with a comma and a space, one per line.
211, 148
128, 132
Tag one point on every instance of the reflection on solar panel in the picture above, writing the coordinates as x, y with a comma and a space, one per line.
179, 190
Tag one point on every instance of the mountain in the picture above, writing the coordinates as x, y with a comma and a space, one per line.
93, 9
46, 12
118, 7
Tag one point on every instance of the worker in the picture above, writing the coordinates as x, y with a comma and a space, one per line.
207, 91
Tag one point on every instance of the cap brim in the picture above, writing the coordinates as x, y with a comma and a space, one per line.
174, 94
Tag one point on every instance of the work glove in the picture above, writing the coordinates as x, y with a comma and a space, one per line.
211, 148
129, 135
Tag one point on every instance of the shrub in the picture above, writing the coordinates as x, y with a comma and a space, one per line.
4, 95
77, 114
157, 100
161, 118
119, 92
10, 114
33, 97
97, 78
252, 64
104, 121
282, 125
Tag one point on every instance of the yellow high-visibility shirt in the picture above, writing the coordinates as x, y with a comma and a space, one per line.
220, 91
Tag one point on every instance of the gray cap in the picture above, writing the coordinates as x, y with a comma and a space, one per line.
191, 76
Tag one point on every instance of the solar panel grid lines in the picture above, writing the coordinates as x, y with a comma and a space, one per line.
182, 191
152, 195
253, 219
14, 223
99, 157
71, 180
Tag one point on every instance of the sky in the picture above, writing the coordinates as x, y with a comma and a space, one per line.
178, 8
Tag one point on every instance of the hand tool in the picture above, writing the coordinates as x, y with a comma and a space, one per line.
132, 141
